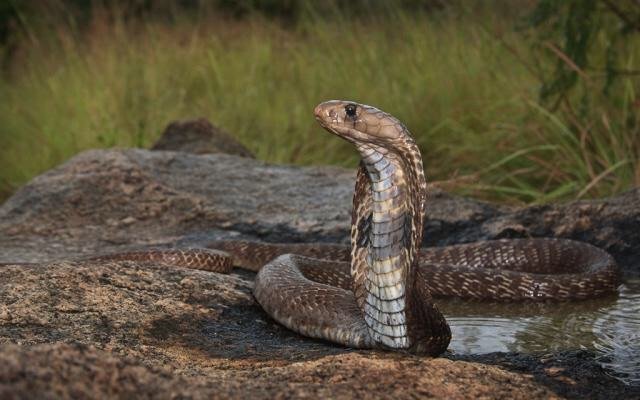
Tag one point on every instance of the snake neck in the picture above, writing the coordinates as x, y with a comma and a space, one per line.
388, 213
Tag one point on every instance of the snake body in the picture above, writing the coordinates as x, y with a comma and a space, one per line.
378, 293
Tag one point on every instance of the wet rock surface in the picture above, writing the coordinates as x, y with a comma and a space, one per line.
74, 329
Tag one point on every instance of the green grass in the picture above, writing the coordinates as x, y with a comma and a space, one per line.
462, 87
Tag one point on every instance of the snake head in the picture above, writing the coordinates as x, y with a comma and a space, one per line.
359, 123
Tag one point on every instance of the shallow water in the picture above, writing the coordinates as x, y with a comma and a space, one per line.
609, 326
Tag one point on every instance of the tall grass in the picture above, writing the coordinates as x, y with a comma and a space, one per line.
462, 87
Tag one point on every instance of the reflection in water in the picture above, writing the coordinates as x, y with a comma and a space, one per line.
609, 326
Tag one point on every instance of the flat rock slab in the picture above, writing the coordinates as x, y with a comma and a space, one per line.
118, 329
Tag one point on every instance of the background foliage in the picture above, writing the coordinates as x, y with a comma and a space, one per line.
520, 101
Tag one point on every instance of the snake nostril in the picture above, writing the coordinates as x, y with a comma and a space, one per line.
332, 113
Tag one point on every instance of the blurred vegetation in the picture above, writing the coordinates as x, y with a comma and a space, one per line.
519, 100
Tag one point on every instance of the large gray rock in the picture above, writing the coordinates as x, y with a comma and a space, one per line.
97, 329
108, 199
101, 200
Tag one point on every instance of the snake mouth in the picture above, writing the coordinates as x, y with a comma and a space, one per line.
317, 111
325, 116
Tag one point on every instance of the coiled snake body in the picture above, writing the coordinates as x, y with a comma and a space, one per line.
379, 293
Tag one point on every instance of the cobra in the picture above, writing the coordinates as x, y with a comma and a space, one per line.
379, 292
379, 295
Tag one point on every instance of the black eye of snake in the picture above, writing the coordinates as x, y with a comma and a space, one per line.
350, 109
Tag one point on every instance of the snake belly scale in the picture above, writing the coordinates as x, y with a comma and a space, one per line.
377, 293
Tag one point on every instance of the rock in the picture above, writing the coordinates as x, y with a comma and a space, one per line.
103, 200
121, 329
199, 136
78, 371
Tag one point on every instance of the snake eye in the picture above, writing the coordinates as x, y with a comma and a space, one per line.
350, 109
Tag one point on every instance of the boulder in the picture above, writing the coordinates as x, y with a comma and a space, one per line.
199, 136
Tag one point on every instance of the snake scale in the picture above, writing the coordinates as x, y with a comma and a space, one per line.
378, 292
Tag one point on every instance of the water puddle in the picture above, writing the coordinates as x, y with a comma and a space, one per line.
610, 327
